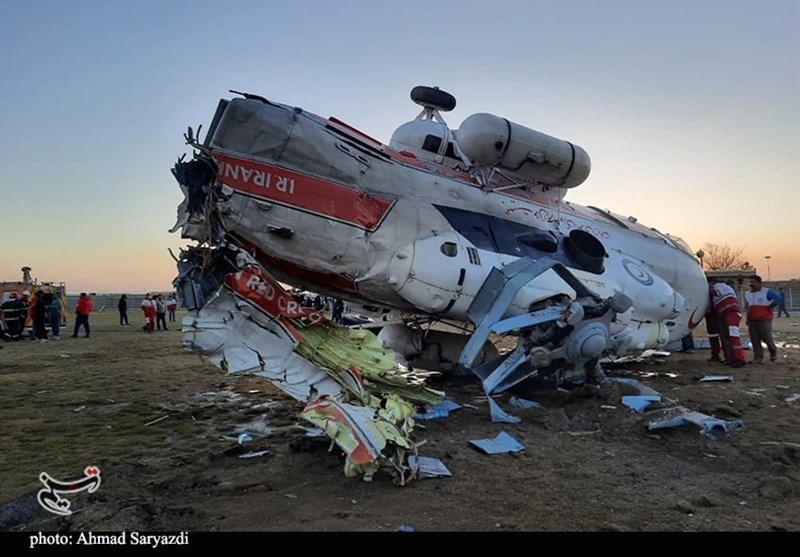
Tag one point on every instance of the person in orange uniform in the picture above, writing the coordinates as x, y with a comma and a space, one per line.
726, 306
82, 311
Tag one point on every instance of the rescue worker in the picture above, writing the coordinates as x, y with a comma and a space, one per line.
13, 316
726, 305
149, 308
82, 311
27, 314
712, 328
172, 305
760, 301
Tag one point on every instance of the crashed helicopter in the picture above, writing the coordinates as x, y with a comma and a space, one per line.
464, 227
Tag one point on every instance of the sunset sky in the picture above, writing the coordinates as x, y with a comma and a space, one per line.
690, 111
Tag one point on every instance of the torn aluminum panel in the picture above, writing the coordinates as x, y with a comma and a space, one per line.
640, 402
709, 425
501, 444
353, 387
427, 467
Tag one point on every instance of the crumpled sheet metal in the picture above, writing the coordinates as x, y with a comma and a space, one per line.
353, 387
238, 339
709, 426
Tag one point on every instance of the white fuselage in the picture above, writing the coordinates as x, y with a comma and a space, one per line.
332, 211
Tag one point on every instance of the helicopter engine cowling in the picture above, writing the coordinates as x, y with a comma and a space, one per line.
522, 153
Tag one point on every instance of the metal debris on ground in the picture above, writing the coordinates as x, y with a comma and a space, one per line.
709, 425
501, 416
501, 444
157, 420
640, 402
439, 410
253, 454
427, 467
794, 398
716, 378
355, 390
517, 402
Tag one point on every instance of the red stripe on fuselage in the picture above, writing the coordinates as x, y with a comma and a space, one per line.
302, 191
326, 280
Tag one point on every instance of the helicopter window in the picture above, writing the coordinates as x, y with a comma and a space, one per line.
450, 249
541, 240
432, 144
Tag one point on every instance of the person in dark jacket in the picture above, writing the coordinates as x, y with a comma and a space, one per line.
13, 315
122, 306
40, 317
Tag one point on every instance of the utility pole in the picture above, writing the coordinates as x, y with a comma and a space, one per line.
769, 273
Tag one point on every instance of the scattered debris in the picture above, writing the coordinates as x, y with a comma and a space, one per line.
640, 402
253, 454
244, 438
427, 467
517, 402
501, 416
438, 410
501, 444
784, 443
405, 528
709, 425
608, 407
79, 408
290, 496
794, 398
716, 378
157, 420
579, 433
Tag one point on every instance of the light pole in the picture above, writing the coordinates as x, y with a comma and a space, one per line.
769, 273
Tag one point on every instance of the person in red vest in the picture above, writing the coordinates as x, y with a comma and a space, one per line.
726, 305
149, 308
760, 301
712, 328
82, 311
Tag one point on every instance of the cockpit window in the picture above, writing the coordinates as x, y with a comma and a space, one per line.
432, 144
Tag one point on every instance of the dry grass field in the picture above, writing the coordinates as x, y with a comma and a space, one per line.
590, 463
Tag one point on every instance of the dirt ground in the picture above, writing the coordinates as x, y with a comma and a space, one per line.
590, 463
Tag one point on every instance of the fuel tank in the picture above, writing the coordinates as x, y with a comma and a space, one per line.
524, 154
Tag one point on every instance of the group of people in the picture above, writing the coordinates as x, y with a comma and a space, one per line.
724, 316
321, 303
156, 311
43, 309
